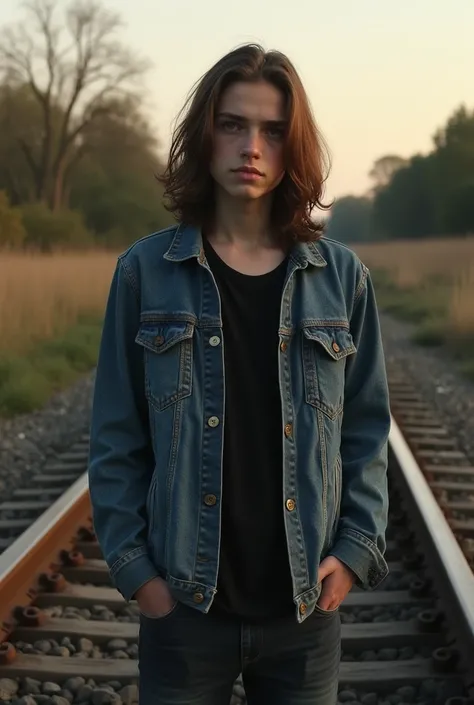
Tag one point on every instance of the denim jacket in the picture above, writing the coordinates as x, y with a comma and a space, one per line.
156, 436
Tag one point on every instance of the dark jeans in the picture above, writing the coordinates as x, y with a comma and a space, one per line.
190, 658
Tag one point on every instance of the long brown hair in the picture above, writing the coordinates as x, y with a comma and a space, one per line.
187, 180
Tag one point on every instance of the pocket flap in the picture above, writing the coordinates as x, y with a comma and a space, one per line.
337, 342
159, 336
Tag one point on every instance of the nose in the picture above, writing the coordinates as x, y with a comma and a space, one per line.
251, 148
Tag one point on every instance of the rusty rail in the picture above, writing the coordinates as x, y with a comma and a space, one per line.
36, 555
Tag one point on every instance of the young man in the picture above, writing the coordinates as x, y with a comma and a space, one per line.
240, 417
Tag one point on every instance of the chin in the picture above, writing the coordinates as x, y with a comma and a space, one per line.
245, 191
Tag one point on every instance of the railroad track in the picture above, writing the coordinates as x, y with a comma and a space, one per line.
68, 636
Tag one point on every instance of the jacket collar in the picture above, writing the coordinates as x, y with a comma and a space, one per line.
187, 243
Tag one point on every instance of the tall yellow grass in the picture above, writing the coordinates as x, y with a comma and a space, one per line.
422, 263
42, 295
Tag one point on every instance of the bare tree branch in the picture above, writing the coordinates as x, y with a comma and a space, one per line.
73, 68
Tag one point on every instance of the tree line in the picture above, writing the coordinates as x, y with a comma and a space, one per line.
77, 155
424, 196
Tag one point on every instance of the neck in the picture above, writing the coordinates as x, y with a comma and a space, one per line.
242, 221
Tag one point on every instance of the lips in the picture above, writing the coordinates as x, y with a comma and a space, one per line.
249, 170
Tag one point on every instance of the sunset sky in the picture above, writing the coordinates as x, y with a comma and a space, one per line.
382, 76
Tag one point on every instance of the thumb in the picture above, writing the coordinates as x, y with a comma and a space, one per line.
326, 567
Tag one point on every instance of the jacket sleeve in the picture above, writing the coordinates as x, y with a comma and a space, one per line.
360, 539
121, 458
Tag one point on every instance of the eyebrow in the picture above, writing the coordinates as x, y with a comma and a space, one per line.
241, 118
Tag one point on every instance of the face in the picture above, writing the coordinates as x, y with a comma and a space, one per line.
248, 142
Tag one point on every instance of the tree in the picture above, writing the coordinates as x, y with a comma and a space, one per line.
350, 220
406, 207
12, 232
114, 185
73, 73
384, 169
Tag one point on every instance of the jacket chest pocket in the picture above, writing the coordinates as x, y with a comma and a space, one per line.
325, 350
168, 350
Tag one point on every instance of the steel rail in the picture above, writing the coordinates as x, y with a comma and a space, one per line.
450, 570
37, 549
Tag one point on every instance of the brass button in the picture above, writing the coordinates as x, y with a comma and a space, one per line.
288, 430
198, 597
159, 340
290, 504
303, 608
335, 347
210, 500
213, 421
214, 341
283, 346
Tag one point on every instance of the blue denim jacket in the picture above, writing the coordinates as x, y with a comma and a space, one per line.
155, 471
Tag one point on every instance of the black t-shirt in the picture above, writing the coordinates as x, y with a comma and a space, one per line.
254, 580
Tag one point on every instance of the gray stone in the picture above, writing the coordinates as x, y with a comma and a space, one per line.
85, 645
394, 699
73, 684
50, 688
388, 654
103, 696
132, 651
117, 644
115, 685
129, 695
346, 696
239, 690
60, 651
31, 686
59, 700
407, 693
8, 688
26, 700
65, 693
43, 646
120, 654
369, 699
84, 694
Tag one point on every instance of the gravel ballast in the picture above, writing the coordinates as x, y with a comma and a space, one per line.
436, 378
29, 441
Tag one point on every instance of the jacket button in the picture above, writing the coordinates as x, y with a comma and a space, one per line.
303, 608
283, 346
290, 504
335, 347
288, 430
198, 597
213, 421
214, 341
159, 340
210, 500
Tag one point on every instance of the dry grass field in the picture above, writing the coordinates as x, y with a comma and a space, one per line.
51, 309
431, 283
41, 296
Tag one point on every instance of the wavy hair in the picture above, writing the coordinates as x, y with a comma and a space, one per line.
188, 185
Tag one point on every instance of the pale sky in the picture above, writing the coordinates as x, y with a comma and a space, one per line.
381, 75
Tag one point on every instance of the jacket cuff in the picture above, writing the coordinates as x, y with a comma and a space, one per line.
131, 572
362, 556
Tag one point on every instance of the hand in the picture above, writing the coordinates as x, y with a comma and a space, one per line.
337, 580
154, 598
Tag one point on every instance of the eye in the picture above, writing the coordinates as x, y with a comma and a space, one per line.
229, 125
276, 132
